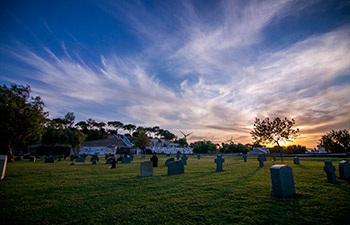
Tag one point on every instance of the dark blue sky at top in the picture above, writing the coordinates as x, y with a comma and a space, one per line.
186, 49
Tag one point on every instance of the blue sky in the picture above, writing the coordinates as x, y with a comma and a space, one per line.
208, 67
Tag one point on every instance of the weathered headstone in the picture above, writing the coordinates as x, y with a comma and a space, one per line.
126, 160
32, 159
49, 159
282, 181
344, 170
198, 156
131, 157
245, 157
80, 159
330, 171
264, 157
146, 169
219, 160
3, 163
177, 156
94, 159
274, 158
18, 158
42, 157
261, 161
169, 161
113, 162
154, 160
184, 159
176, 167
296, 160
168, 154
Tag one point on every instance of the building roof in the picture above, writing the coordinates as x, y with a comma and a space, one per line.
109, 142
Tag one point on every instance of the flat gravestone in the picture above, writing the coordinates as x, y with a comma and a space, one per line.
344, 170
154, 159
176, 167
330, 171
177, 156
146, 169
261, 161
219, 160
32, 159
3, 163
198, 156
169, 161
49, 160
274, 158
282, 181
80, 159
296, 160
245, 157
126, 160
18, 158
184, 159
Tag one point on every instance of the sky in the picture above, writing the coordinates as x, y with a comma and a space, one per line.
207, 67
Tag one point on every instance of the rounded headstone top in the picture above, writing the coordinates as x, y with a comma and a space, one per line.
276, 167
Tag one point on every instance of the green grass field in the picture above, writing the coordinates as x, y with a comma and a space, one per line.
60, 193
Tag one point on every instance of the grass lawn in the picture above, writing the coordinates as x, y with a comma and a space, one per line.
60, 193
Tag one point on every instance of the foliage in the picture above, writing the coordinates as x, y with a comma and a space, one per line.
182, 142
129, 127
203, 147
92, 129
141, 140
233, 148
22, 118
336, 141
292, 149
274, 131
116, 125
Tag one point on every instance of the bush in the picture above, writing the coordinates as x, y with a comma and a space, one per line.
203, 147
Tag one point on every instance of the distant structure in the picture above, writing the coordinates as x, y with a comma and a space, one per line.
259, 151
104, 146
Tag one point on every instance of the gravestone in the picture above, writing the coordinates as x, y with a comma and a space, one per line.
198, 156
126, 160
49, 159
146, 169
274, 158
80, 159
184, 159
176, 167
330, 171
113, 162
219, 160
282, 181
261, 161
72, 158
296, 160
32, 159
120, 159
344, 170
245, 157
154, 159
60, 157
3, 163
42, 157
106, 156
94, 159
18, 158
168, 155
264, 157
169, 161
131, 157
177, 156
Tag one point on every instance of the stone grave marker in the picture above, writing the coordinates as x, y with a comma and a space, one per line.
42, 157
94, 159
3, 163
49, 159
169, 161
264, 157
126, 160
177, 156
71, 158
113, 162
274, 158
154, 160
106, 156
80, 159
131, 157
176, 167
32, 159
146, 169
282, 181
184, 159
168, 155
245, 157
219, 160
198, 156
344, 170
330, 171
18, 158
296, 160
261, 161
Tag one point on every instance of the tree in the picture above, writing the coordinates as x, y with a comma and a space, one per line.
274, 131
141, 140
22, 117
203, 147
129, 127
116, 125
75, 138
182, 142
336, 141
